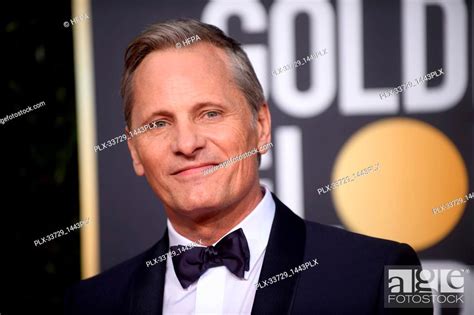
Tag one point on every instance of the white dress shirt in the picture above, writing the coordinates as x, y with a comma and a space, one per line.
218, 291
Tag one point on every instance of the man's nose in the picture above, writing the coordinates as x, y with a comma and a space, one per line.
187, 139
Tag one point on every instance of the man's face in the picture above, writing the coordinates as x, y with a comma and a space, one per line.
201, 120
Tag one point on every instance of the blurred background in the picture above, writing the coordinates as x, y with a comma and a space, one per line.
39, 158
329, 121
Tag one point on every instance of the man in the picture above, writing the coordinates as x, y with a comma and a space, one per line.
206, 106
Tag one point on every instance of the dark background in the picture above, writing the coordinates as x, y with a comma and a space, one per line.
39, 158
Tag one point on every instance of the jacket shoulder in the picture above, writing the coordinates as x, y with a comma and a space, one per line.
342, 244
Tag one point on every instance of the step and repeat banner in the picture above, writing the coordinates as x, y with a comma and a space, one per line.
372, 113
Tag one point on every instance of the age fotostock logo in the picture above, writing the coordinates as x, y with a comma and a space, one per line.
411, 286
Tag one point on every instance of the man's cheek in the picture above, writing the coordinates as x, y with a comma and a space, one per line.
151, 163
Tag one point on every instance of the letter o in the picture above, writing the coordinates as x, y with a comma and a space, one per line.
396, 299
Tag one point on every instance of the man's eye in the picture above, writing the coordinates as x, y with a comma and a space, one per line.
158, 124
212, 114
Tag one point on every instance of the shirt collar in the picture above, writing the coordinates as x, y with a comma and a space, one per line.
256, 227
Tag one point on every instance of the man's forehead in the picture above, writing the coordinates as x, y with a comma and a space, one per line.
184, 76
171, 71
201, 56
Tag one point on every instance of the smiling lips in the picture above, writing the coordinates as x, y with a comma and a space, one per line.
194, 169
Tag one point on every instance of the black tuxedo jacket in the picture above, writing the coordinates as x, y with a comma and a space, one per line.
349, 277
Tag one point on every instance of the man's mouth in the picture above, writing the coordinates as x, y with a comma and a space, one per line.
194, 169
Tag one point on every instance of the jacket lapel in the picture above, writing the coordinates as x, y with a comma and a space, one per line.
147, 290
285, 251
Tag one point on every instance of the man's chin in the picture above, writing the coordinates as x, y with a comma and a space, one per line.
194, 197
204, 188
199, 205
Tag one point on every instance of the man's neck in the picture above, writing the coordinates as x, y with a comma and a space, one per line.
211, 227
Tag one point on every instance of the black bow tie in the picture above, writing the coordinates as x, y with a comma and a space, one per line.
232, 251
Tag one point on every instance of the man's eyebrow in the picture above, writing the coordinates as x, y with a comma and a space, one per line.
160, 112
200, 105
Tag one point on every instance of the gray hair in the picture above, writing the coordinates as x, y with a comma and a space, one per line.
166, 34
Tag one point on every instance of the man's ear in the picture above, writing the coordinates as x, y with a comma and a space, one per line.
264, 125
137, 163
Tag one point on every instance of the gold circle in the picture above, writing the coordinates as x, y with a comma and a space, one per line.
419, 169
